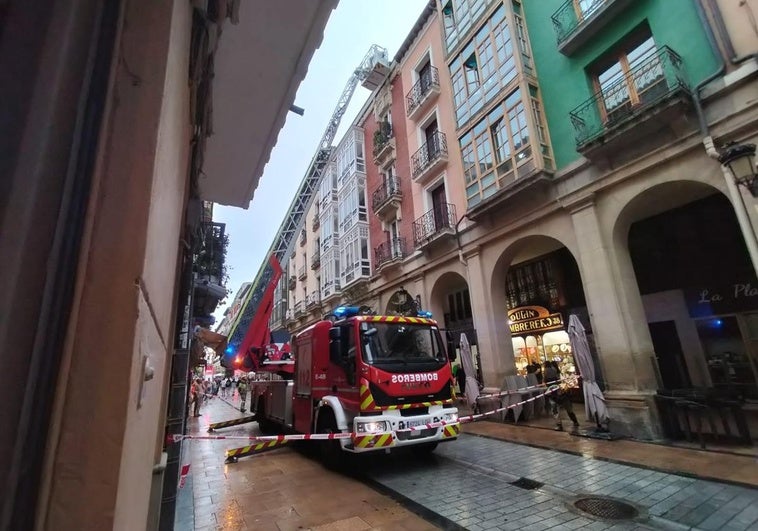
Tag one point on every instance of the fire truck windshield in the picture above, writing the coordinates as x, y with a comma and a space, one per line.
401, 343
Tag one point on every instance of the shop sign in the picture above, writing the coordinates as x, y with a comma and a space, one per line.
528, 319
733, 298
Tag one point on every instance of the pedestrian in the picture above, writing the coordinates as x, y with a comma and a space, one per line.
195, 391
226, 385
560, 398
461, 377
242, 389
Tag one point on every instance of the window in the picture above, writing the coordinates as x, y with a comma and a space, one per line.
484, 67
585, 8
448, 17
496, 148
354, 255
629, 78
458, 17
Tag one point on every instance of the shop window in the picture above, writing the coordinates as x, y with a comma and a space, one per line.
727, 355
459, 308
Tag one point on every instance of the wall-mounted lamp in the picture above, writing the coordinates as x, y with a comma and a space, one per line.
740, 159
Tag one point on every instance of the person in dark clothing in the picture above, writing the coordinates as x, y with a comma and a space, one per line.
560, 398
536, 369
461, 377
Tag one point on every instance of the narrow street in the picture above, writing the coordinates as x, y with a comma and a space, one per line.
477, 483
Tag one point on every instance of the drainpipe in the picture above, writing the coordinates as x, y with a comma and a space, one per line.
735, 195
461, 259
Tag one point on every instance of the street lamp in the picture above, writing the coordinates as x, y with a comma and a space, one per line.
740, 159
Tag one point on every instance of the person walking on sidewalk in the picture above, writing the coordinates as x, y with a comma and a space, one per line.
196, 390
242, 390
559, 399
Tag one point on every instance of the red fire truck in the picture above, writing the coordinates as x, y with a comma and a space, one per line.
374, 376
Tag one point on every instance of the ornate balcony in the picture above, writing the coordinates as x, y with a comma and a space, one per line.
330, 290
436, 225
315, 222
303, 237
576, 21
313, 300
302, 272
645, 101
316, 260
299, 309
386, 198
422, 94
384, 143
390, 253
429, 158
292, 282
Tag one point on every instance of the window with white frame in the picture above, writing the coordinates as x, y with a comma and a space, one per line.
328, 186
484, 67
458, 16
354, 255
352, 204
496, 147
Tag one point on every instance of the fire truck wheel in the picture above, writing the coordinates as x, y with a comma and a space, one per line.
331, 453
424, 449
265, 426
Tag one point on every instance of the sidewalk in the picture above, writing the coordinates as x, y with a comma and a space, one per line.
717, 466
281, 490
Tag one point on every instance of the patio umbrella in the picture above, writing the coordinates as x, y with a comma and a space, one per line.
472, 386
594, 401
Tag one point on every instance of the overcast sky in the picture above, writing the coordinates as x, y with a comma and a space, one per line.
353, 27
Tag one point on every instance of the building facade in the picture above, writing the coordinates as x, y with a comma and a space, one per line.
537, 160
108, 153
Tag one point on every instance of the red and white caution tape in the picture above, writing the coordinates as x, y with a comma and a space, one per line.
349, 435
523, 389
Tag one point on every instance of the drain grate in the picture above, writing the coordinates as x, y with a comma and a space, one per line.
526, 483
606, 508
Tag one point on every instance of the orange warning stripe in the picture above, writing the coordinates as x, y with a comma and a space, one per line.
254, 448
451, 430
381, 440
396, 319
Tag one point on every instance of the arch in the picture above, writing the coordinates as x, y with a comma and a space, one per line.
654, 199
445, 283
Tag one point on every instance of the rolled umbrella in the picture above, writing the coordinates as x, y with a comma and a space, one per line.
594, 401
467, 362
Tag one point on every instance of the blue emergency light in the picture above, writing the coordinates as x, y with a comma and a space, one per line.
343, 312
229, 350
424, 313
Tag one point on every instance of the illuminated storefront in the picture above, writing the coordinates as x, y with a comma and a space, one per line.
541, 294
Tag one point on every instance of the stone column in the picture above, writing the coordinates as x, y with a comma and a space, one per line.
619, 325
494, 338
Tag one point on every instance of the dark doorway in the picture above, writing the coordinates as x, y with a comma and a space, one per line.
439, 207
432, 140
668, 352
425, 77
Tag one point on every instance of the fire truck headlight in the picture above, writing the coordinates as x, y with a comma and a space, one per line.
450, 417
371, 427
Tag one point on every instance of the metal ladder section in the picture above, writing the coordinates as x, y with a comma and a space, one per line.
371, 72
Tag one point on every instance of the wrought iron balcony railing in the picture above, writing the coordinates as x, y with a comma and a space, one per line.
314, 299
426, 83
432, 151
648, 84
384, 192
390, 250
302, 272
572, 14
299, 308
292, 282
382, 137
316, 259
438, 220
